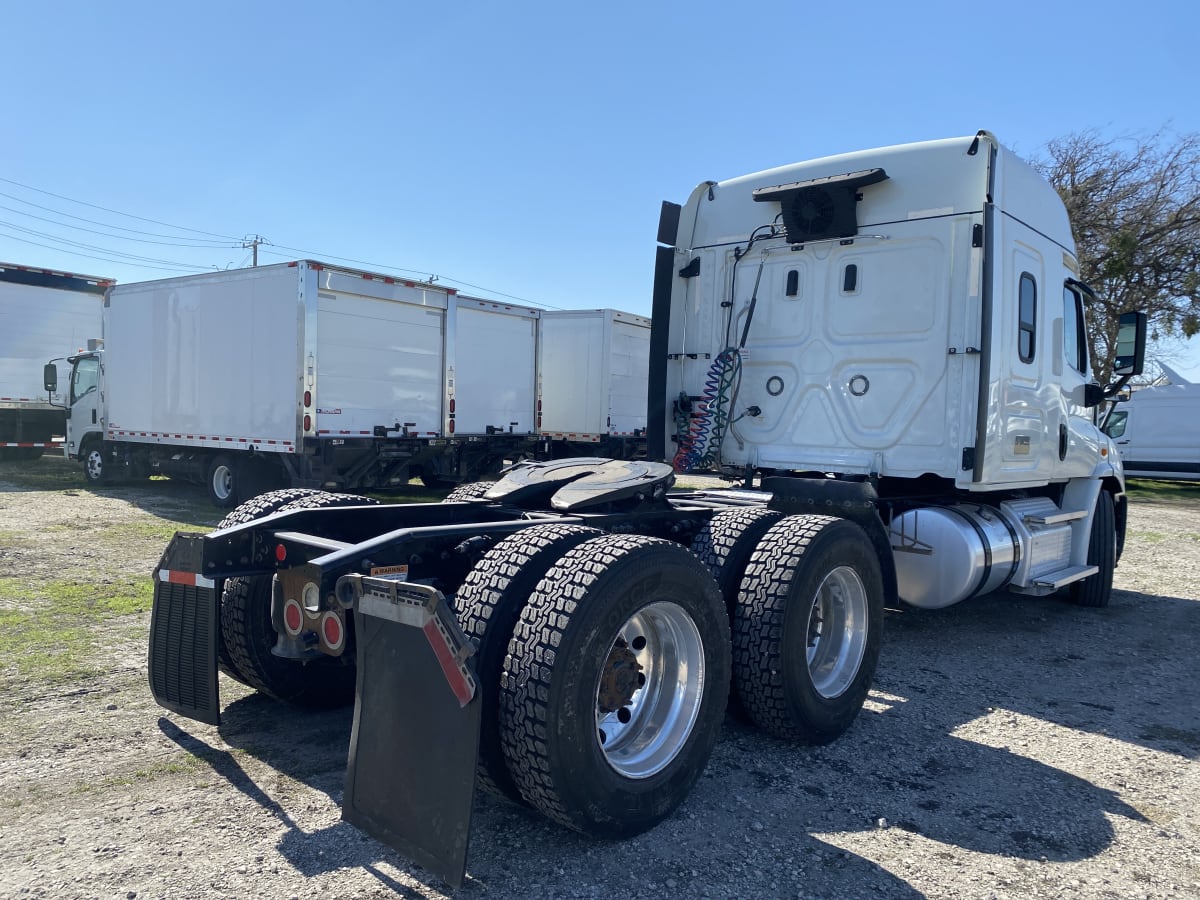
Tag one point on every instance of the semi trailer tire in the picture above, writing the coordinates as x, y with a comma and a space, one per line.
1096, 590
615, 683
489, 604
258, 508
222, 481
806, 631
248, 634
470, 491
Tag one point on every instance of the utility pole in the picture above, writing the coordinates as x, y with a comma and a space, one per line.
253, 242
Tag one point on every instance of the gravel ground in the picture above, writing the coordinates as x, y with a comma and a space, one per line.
1012, 748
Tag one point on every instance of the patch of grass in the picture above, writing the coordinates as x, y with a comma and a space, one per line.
159, 529
52, 635
1150, 537
1168, 491
50, 473
182, 764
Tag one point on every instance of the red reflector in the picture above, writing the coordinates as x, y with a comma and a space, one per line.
539, 405
452, 426
280, 552
332, 632
451, 405
307, 422
308, 398
292, 617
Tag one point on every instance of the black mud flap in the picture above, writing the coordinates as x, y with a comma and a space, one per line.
410, 782
184, 623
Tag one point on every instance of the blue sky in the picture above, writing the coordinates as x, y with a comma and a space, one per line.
517, 149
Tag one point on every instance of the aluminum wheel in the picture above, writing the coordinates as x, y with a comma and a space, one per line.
837, 631
650, 689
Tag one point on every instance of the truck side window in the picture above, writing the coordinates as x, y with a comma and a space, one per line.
1074, 345
1116, 424
84, 378
1027, 318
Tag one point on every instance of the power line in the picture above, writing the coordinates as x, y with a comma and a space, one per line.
212, 245
218, 241
70, 243
185, 267
115, 212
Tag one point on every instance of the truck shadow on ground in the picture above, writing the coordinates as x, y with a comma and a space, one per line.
1042, 674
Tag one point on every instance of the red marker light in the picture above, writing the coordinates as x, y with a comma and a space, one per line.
293, 619
280, 553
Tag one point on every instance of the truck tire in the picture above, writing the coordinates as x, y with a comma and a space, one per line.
95, 465
470, 491
248, 634
614, 687
489, 604
806, 631
222, 481
1096, 590
258, 508
725, 545
726, 542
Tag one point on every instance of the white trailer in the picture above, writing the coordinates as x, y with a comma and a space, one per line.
300, 374
43, 314
593, 382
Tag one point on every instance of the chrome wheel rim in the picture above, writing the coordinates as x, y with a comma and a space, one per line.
649, 690
95, 464
837, 632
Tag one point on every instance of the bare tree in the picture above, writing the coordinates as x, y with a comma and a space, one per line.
1134, 203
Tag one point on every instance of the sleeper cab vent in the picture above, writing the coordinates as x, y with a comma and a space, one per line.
820, 208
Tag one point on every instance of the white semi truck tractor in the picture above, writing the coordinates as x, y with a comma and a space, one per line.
886, 349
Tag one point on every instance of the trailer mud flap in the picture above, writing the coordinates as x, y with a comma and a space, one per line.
184, 628
410, 782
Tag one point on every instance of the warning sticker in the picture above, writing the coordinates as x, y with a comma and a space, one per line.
396, 573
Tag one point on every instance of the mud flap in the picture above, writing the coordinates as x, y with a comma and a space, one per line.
184, 625
410, 782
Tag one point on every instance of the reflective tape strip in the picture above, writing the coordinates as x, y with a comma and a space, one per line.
454, 671
190, 579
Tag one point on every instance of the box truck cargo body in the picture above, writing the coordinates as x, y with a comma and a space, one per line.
43, 315
594, 365
299, 374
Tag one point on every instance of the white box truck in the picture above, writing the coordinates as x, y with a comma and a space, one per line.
887, 346
300, 374
1157, 431
592, 373
43, 314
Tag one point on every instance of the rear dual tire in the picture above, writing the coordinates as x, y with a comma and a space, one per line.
614, 684
247, 633
807, 628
